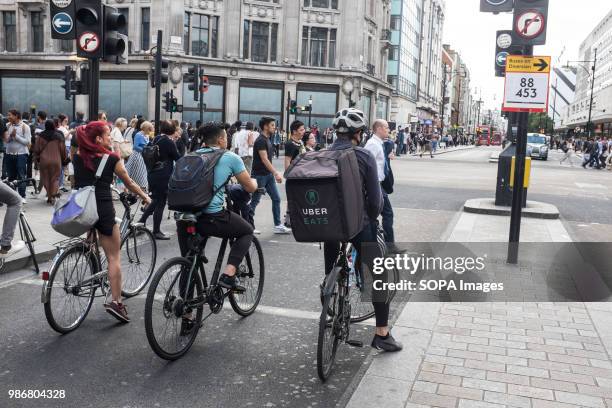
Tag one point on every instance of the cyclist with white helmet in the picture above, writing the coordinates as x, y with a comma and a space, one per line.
349, 125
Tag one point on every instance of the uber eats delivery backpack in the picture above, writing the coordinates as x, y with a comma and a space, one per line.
191, 187
325, 196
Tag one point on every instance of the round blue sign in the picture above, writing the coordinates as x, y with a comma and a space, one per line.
501, 58
62, 23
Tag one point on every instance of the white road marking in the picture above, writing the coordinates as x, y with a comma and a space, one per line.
24, 279
591, 185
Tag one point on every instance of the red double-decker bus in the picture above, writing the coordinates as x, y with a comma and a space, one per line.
483, 136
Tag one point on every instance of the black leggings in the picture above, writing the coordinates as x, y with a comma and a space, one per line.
331, 249
157, 206
224, 224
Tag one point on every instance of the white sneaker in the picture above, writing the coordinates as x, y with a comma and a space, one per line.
256, 232
281, 229
15, 247
24, 201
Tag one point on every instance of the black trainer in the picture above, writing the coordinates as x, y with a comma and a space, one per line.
387, 343
231, 283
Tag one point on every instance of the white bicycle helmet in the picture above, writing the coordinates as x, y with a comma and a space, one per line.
350, 120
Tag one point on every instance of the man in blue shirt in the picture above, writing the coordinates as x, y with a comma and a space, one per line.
216, 221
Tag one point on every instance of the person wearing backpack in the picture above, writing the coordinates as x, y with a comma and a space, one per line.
350, 124
94, 154
160, 174
215, 220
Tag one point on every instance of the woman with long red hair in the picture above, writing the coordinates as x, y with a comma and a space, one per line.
94, 142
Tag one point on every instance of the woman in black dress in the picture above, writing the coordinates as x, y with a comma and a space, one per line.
94, 149
159, 176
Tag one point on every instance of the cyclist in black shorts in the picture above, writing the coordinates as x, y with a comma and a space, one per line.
349, 125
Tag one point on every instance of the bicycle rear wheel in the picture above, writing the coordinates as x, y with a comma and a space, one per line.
165, 308
69, 301
251, 274
329, 325
138, 257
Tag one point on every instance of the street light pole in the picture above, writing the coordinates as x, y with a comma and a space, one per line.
554, 106
309, 111
589, 124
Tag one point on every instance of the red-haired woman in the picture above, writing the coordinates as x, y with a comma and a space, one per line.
94, 142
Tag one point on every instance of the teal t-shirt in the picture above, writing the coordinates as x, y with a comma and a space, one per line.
230, 164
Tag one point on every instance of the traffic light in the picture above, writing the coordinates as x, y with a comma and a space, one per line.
293, 108
167, 102
115, 43
174, 107
204, 84
89, 29
164, 72
305, 108
68, 77
191, 78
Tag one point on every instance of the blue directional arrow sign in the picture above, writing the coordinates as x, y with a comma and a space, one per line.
62, 23
501, 58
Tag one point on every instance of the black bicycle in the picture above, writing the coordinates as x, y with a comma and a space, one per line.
79, 270
174, 308
25, 231
342, 305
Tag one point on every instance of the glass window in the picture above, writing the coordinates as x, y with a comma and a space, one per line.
213, 99
38, 36
324, 104
318, 46
214, 29
366, 104
273, 44
145, 22
321, 3
199, 35
126, 13
259, 41
396, 22
123, 97
44, 93
10, 31
247, 39
382, 108
186, 31
394, 53
256, 102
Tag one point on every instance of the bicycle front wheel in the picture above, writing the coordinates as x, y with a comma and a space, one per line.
167, 307
70, 291
329, 326
138, 257
251, 274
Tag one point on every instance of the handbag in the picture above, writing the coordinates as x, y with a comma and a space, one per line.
125, 150
78, 213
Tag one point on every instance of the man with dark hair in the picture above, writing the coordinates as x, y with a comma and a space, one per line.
265, 173
293, 148
80, 120
215, 220
17, 140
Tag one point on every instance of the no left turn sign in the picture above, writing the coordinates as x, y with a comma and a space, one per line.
89, 42
530, 24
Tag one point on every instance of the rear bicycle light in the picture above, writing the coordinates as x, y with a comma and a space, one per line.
45, 276
191, 229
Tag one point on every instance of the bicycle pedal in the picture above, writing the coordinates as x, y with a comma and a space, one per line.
354, 343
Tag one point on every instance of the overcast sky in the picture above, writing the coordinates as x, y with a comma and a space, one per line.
473, 34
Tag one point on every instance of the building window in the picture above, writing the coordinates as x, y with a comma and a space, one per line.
10, 31
333, 4
392, 79
145, 27
396, 22
394, 53
38, 33
318, 46
260, 41
66, 45
201, 34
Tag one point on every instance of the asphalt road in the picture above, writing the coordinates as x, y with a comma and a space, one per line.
269, 358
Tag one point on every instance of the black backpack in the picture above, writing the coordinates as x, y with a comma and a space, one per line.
191, 186
150, 155
325, 196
